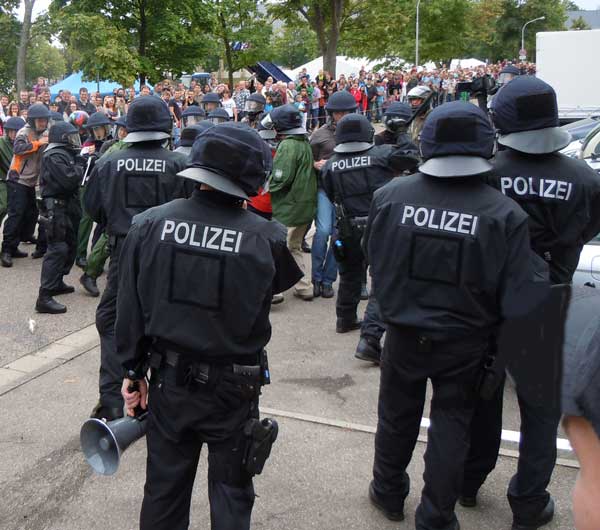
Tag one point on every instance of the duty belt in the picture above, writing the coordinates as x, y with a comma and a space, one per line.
359, 222
51, 202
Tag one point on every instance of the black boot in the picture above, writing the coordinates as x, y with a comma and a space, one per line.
6, 259
38, 253
19, 254
544, 517
89, 284
63, 288
368, 349
344, 326
46, 304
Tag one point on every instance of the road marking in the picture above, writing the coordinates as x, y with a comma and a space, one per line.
507, 435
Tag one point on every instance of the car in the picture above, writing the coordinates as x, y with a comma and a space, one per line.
579, 130
588, 268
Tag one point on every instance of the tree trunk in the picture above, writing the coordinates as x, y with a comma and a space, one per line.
23, 43
228, 56
143, 38
329, 58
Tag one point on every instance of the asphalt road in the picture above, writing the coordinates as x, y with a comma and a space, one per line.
324, 399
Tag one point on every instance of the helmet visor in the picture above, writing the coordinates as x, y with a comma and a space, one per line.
254, 106
217, 119
505, 78
394, 124
74, 140
209, 106
101, 132
191, 120
267, 122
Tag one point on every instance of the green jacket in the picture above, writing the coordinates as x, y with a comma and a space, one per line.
6, 154
293, 183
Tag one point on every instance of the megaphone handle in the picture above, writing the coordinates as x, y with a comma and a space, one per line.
134, 387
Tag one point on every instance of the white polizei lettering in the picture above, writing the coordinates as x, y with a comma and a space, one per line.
549, 192
238, 242
186, 230
193, 242
334, 166
129, 164
506, 184
474, 226
453, 217
569, 191
517, 181
144, 165
168, 228
431, 224
409, 211
216, 232
120, 164
204, 236
228, 237
425, 213
561, 188
443, 219
532, 189
464, 223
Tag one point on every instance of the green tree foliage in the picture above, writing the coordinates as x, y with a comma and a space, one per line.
239, 21
294, 46
44, 60
123, 39
9, 41
580, 23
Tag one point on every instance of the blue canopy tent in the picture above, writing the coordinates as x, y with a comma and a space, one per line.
75, 81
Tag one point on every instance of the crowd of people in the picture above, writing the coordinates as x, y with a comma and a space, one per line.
190, 282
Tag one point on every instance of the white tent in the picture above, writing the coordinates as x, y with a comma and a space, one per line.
465, 63
343, 65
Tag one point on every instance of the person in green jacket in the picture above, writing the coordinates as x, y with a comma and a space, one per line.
293, 187
100, 252
11, 126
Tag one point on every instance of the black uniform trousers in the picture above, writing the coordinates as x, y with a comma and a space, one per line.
111, 371
406, 365
527, 492
352, 275
22, 214
61, 236
180, 421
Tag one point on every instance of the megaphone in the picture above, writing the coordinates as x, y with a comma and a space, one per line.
104, 442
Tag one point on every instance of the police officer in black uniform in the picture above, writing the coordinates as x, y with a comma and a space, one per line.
189, 135
60, 177
253, 108
197, 277
128, 182
449, 256
350, 177
396, 119
562, 197
210, 102
193, 115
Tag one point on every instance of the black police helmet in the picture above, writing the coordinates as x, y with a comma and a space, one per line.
255, 104
525, 113
396, 116
353, 134
148, 119
456, 141
98, 119
510, 69
341, 101
14, 124
286, 120
189, 134
219, 115
193, 115
65, 134
231, 158
37, 111
211, 98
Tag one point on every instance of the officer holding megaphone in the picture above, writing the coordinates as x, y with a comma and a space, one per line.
196, 282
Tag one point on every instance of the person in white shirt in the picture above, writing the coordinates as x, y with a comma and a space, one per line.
229, 105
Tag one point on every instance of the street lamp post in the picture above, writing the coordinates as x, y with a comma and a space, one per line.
523, 30
417, 37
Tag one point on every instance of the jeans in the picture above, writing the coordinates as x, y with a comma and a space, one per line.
314, 118
324, 266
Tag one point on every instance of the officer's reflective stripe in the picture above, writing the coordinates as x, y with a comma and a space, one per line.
443, 220
201, 236
351, 163
537, 187
144, 165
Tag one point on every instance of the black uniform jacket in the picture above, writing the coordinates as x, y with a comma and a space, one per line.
448, 256
561, 196
128, 182
200, 273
